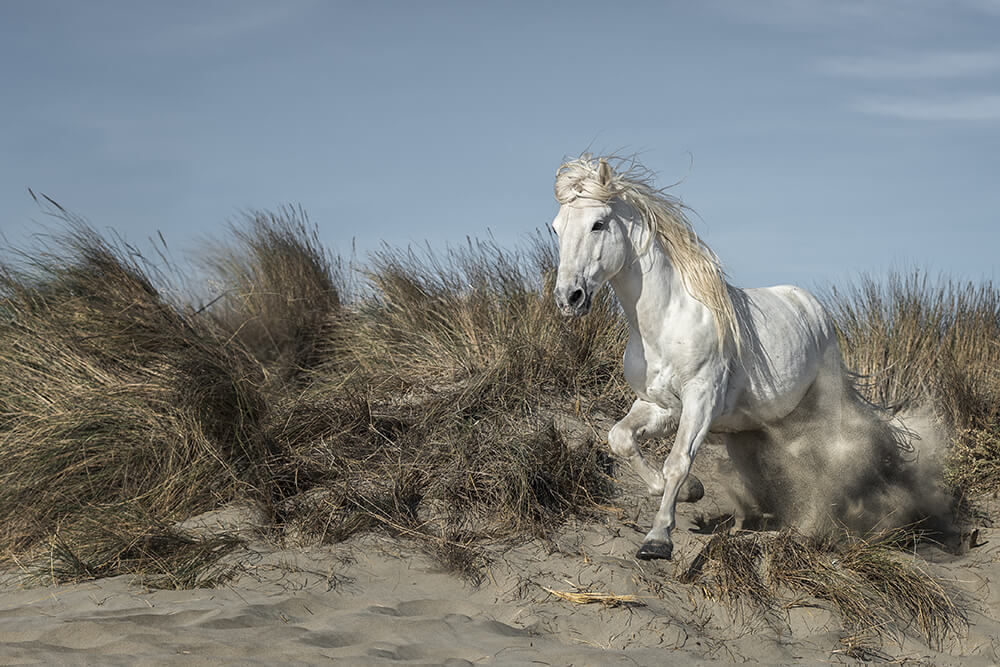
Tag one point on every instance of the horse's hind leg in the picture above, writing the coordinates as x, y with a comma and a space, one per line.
746, 488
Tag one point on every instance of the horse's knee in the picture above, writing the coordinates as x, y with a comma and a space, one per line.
621, 441
676, 467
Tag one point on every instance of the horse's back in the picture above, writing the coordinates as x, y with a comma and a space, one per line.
786, 320
788, 339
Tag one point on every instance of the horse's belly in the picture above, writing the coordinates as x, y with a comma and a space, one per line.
734, 422
754, 415
753, 404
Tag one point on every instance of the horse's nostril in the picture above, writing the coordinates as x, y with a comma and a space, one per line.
575, 297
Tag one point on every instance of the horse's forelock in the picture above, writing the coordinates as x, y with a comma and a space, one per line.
580, 179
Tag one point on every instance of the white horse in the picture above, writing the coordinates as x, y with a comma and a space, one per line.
702, 356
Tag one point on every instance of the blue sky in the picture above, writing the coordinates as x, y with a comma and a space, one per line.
815, 140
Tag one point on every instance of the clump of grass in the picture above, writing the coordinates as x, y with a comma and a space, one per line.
975, 458
156, 553
521, 479
279, 289
916, 341
112, 396
448, 470
482, 312
877, 590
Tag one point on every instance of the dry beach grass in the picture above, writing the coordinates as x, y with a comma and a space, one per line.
424, 398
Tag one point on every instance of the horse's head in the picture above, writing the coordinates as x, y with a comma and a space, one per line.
593, 246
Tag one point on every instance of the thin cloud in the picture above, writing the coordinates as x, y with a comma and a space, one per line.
924, 14
953, 64
219, 28
965, 108
985, 6
823, 14
234, 26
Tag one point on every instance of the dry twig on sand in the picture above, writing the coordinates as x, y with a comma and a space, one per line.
605, 599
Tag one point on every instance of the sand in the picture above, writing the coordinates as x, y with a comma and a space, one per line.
377, 600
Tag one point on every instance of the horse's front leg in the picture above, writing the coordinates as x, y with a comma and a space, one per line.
644, 420
699, 409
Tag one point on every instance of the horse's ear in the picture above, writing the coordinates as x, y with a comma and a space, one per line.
604, 172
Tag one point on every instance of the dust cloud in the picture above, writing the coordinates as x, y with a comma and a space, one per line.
837, 462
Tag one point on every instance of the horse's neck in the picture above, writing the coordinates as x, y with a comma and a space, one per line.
650, 290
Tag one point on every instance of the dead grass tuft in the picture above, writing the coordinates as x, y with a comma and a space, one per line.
157, 554
112, 396
877, 590
277, 291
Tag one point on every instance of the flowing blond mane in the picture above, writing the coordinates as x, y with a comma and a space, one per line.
664, 218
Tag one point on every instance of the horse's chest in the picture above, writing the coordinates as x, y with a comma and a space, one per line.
651, 378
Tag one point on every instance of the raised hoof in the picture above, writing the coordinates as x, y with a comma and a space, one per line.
692, 490
655, 550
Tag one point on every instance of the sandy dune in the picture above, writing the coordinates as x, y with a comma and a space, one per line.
376, 600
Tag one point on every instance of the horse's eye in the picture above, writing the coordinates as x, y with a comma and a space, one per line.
598, 226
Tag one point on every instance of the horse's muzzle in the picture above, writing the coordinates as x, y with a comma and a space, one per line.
573, 301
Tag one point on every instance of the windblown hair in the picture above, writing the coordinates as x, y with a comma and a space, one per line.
665, 220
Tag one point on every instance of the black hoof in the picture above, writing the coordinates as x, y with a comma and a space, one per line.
691, 491
655, 549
